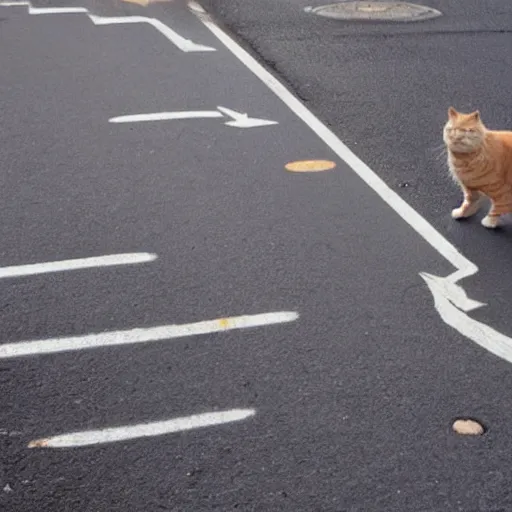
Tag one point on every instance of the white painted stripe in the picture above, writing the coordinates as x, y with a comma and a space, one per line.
142, 335
158, 428
485, 336
413, 218
77, 264
185, 45
164, 116
56, 10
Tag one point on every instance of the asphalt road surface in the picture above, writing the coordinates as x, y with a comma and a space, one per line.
341, 393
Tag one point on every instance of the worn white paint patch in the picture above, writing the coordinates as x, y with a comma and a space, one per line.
142, 335
116, 434
77, 264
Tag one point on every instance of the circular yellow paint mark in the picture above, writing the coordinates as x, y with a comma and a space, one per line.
310, 166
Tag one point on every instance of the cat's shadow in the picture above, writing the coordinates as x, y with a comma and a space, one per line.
504, 227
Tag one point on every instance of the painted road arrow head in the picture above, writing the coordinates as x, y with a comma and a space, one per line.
243, 120
449, 299
451, 291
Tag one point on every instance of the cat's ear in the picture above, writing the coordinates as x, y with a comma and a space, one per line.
452, 113
476, 115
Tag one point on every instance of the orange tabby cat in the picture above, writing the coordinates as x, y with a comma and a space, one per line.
480, 160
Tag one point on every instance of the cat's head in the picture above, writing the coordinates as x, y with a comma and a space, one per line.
463, 133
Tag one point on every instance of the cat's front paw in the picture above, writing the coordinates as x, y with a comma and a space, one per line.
491, 221
467, 209
459, 213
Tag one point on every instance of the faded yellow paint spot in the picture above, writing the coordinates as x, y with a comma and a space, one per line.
38, 443
224, 323
145, 3
310, 166
138, 2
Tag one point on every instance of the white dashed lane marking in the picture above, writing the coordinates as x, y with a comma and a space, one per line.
158, 428
76, 264
142, 335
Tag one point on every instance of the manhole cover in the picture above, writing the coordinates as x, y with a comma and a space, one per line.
376, 11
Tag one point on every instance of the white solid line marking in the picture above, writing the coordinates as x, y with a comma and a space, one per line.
488, 338
165, 116
56, 10
77, 264
185, 45
142, 335
413, 218
158, 428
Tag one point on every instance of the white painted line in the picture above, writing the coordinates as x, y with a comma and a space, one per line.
413, 218
56, 10
238, 120
165, 116
185, 45
142, 335
158, 428
453, 292
488, 338
76, 264
45, 10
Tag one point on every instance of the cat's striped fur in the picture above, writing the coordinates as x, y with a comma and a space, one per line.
480, 160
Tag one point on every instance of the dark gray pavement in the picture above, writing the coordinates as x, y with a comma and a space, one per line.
384, 89
354, 401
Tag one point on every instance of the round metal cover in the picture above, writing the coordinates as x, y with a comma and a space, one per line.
376, 11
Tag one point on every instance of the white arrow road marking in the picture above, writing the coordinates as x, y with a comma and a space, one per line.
452, 291
142, 335
158, 428
243, 120
488, 338
166, 116
76, 264
237, 120
185, 45
452, 295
